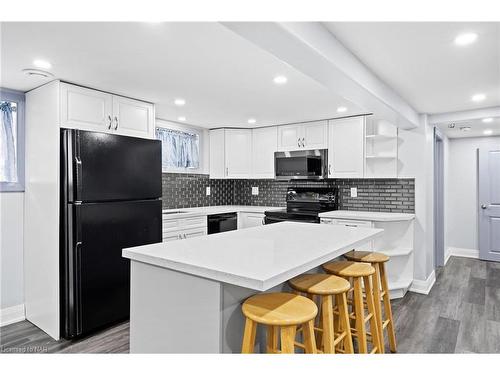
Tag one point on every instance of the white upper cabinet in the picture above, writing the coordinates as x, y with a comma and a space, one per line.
238, 153
83, 108
307, 136
289, 137
314, 135
87, 109
346, 140
133, 117
264, 145
230, 153
381, 156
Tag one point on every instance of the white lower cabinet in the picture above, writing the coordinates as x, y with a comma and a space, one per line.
396, 242
250, 219
178, 229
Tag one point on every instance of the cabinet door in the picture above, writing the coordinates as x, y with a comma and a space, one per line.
85, 109
195, 232
264, 144
249, 219
238, 153
289, 137
171, 236
346, 148
133, 117
314, 135
217, 152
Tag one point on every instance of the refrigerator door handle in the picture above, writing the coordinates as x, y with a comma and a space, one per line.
78, 280
78, 167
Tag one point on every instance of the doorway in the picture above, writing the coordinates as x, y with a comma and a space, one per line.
439, 257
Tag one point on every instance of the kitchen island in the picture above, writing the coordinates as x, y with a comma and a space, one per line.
186, 295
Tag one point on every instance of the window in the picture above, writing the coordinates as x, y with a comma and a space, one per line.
180, 149
11, 140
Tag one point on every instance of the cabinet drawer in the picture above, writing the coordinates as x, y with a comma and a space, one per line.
171, 236
195, 221
170, 224
352, 223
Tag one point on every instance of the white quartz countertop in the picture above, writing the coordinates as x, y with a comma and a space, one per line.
178, 213
258, 258
367, 215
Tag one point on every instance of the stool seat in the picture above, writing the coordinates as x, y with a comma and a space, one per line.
279, 309
366, 256
347, 268
320, 284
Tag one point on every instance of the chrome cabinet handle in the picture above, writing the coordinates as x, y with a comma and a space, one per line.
110, 122
484, 206
298, 142
227, 171
185, 236
329, 169
116, 122
303, 142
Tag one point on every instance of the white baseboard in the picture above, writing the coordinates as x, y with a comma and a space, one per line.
447, 255
423, 286
11, 315
463, 252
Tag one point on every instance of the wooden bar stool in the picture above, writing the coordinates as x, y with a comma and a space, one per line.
327, 287
279, 310
380, 292
360, 273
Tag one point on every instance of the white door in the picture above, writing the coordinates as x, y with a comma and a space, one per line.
238, 153
217, 159
264, 144
133, 117
289, 137
346, 139
85, 109
489, 204
314, 135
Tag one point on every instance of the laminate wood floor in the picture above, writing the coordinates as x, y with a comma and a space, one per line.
461, 314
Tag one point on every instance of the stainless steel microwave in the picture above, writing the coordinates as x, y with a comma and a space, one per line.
305, 165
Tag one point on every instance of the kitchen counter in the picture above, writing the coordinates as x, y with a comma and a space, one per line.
178, 213
366, 215
186, 295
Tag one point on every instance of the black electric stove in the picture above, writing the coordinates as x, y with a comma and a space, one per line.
304, 205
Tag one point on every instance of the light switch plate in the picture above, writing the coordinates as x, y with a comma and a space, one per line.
354, 192
208, 190
255, 190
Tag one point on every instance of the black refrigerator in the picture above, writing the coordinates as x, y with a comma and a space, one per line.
110, 200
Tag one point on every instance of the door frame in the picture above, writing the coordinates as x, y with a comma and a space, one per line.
439, 228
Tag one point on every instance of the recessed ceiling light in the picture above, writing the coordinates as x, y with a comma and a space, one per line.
487, 120
280, 80
181, 118
252, 121
180, 102
465, 39
341, 109
42, 64
488, 132
478, 97
465, 128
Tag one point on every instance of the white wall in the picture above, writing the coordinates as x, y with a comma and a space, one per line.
416, 155
462, 198
11, 249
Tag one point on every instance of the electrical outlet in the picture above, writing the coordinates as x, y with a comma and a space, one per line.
208, 190
354, 192
255, 190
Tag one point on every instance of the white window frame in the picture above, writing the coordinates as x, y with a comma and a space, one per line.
164, 124
19, 98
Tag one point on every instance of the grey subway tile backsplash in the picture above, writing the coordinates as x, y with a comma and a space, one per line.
182, 190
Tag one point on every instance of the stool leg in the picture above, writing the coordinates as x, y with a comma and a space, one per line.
288, 339
327, 320
378, 305
249, 336
388, 310
371, 310
359, 311
272, 339
309, 340
346, 325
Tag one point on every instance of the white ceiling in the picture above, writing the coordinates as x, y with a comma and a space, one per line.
421, 62
477, 128
224, 78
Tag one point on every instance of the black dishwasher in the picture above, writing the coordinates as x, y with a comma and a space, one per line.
222, 222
